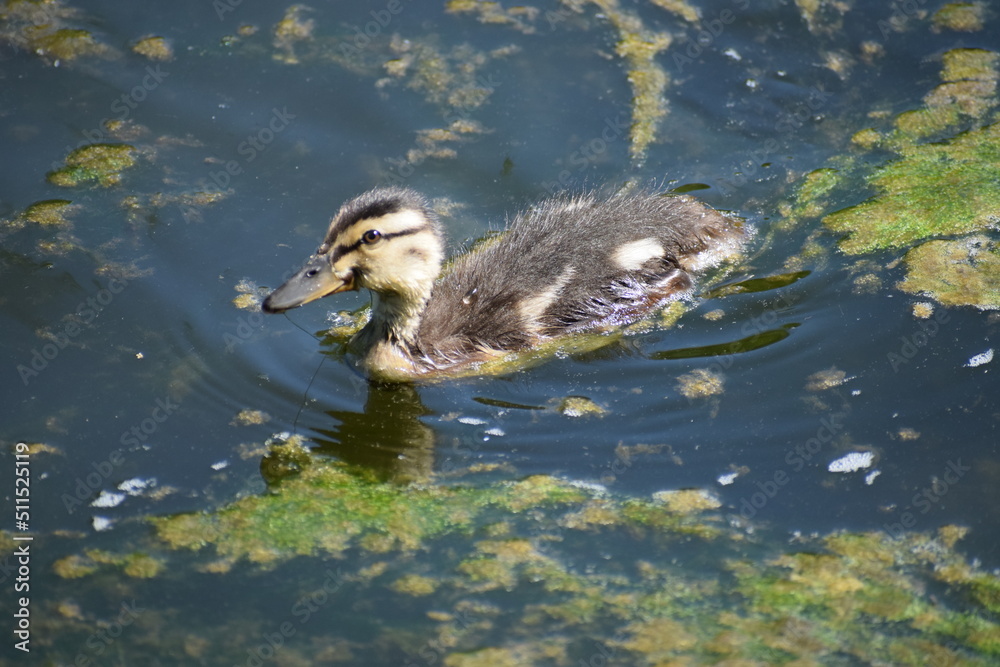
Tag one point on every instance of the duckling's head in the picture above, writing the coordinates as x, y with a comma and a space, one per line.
387, 240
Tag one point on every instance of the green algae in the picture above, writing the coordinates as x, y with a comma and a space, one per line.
52, 215
700, 383
639, 47
142, 566
826, 379
860, 594
985, 590
291, 31
811, 196
580, 406
415, 585
822, 16
964, 272
681, 8
49, 213
489, 657
687, 501
74, 566
154, 48
947, 188
520, 18
967, 92
933, 174
103, 163
451, 79
969, 64
137, 565
248, 417
679, 619
664, 519
145, 209
860, 583
960, 17
536, 491
327, 509
45, 29
67, 44
501, 564
448, 79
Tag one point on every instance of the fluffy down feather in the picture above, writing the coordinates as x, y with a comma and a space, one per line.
566, 249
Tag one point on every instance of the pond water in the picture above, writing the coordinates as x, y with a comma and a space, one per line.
213, 486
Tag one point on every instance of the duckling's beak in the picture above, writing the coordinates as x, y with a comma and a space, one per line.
313, 281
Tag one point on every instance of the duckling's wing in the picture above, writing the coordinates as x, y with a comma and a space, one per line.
575, 263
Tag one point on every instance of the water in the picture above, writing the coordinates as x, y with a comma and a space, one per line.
141, 364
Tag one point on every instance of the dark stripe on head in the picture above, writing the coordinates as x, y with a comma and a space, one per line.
341, 250
375, 204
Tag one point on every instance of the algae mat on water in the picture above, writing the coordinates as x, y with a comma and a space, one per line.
965, 272
680, 580
932, 190
935, 173
103, 163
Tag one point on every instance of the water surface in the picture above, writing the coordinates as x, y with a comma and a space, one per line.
144, 371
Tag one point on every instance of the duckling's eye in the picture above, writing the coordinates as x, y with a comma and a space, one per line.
371, 236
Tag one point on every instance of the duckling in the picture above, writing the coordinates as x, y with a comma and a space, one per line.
570, 264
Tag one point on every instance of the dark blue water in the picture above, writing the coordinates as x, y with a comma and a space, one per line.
160, 362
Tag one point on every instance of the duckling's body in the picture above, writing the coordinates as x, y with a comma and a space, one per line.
568, 265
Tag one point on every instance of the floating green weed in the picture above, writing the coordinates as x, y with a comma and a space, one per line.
49, 213
964, 272
933, 189
103, 163
527, 546
921, 188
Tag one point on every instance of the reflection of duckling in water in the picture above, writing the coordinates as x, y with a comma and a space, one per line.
568, 265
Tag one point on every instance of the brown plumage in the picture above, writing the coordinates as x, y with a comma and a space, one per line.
568, 265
